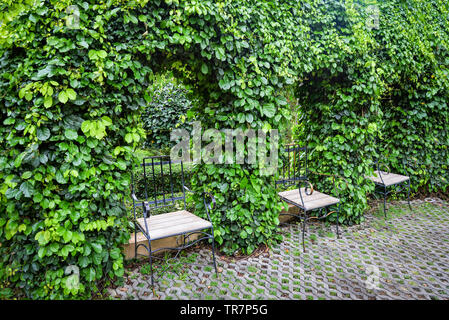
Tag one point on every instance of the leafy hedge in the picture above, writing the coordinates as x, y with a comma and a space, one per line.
70, 102
70, 112
377, 92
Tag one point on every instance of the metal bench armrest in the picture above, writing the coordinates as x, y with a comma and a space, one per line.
306, 184
145, 205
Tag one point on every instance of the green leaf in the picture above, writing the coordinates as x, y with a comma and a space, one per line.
83, 262
67, 249
106, 120
129, 138
9, 121
115, 253
220, 53
38, 197
121, 164
27, 189
97, 247
67, 235
62, 97
71, 94
86, 126
204, 68
48, 101
70, 134
92, 54
18, 160
133, 19
26, 175
102, 54
43, 133
91, 274
269, 110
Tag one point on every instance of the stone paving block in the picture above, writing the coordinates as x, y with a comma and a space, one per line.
403, 257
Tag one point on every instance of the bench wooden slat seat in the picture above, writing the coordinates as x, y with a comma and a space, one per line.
173, 223
389, 179
159, 189
314, 201
295, 173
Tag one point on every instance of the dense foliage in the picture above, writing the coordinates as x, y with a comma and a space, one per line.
415, 112
378, 89
70, 102
166, 111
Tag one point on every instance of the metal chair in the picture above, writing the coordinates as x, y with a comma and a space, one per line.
295, 172
385, 179
163, 190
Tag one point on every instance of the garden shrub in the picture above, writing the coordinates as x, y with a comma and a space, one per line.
70, 106
414, 137
71, 99
166, 111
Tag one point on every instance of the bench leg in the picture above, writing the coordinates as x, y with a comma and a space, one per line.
408, 195
338, 214
385, 201
213, 253
151, 264
135, 242
304, 231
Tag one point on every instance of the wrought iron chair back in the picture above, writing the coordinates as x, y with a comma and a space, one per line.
295, 166
161, 188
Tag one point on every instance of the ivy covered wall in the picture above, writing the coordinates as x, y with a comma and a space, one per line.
71, 98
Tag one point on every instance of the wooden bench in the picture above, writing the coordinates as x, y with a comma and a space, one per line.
172, 224
387, 179
295, 172
309, 202
161, 191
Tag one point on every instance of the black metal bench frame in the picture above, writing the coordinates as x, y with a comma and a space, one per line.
168, 199
299, 179
381, 187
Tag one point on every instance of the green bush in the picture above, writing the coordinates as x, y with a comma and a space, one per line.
377, 92
414, 107
71, 98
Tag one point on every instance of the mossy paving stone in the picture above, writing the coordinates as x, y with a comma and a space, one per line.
408, 248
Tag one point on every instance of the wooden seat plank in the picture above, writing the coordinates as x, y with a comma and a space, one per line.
314, 201
169, 224
389, 179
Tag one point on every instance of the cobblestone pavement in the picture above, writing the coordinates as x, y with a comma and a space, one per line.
403, 257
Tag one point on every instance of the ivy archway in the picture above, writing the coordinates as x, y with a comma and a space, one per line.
71, 96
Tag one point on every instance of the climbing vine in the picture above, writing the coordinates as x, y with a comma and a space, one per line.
73, 83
